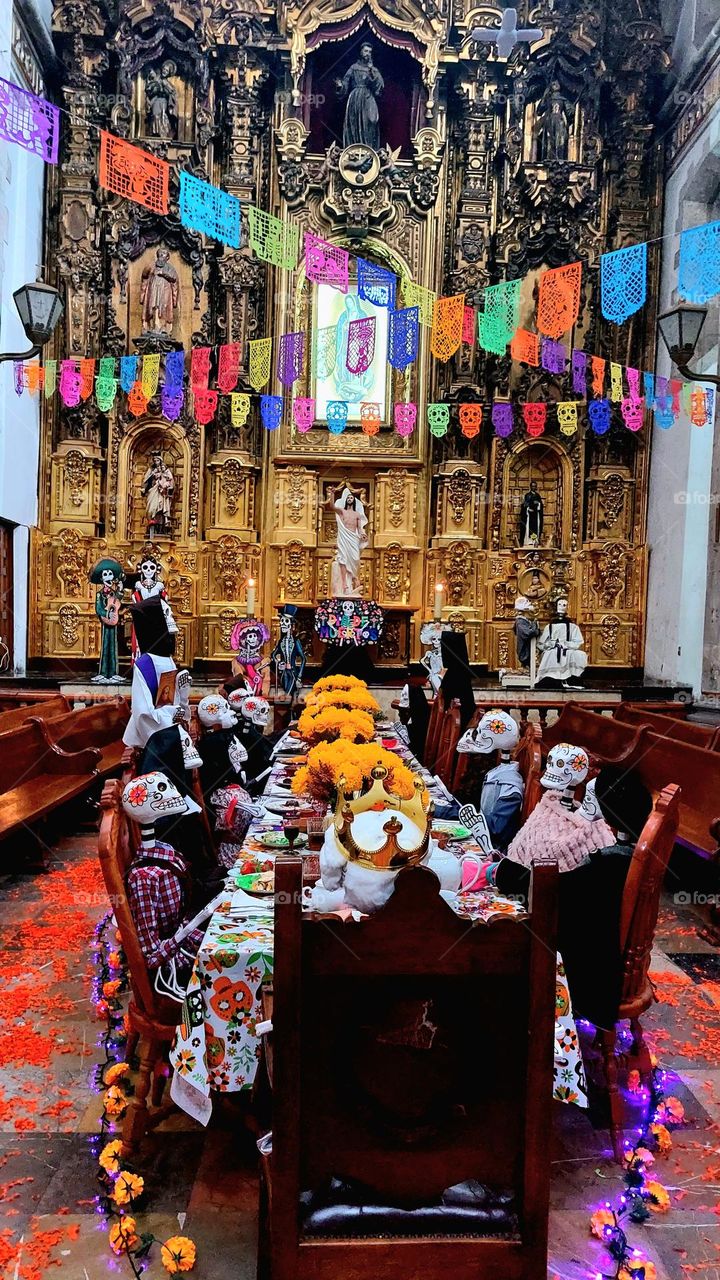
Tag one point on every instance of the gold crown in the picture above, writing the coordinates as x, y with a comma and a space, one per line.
391, 856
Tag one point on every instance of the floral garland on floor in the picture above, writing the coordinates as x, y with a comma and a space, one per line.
120, 1188
643, 1194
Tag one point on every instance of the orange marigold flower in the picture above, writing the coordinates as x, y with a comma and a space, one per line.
114, 960
659, 1200
178, 1254
123, 1235
116, 1072
110, 1157
112, 987
675, 1109
601, 1219
128, 1186
637, 1269
114, 1101
646, 1156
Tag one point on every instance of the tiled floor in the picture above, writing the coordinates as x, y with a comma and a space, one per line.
48, 1113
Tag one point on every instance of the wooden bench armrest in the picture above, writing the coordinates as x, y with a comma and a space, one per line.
59, 761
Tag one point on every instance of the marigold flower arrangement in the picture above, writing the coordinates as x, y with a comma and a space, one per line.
328, 762
330, 723
123, 1235
350, 699
333, 683
128, 1187
178, 1254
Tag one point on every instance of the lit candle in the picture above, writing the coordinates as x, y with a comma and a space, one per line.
437, 612
250, 606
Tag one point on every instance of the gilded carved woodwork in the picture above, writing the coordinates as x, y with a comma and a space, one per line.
484, 182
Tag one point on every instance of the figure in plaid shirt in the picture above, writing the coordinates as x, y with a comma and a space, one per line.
158, 881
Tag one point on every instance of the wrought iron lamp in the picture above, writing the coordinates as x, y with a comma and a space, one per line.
39, 307
680, 330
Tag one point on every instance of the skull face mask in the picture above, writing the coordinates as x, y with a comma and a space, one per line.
256, 710
566, 767
590, 809
497, 731
151, 796
237, 698
237, 754
191, 759
215, 712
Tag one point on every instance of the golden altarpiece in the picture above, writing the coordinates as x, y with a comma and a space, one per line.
484, 168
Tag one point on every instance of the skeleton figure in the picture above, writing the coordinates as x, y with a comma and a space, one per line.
150, 583
246, 641
255, 716
555, 829
160, 693
288, 655
223, 757
158, 880
431, 634
108, 576
502, 791
561, 645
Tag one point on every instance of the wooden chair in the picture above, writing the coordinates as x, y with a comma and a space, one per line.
152, 1019
606, 739
48, 709
403, 1065
638, 919
698, 735
36, 778
432, 741
448, 739
528, 754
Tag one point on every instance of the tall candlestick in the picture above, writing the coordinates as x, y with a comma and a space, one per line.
439, 589
250, 606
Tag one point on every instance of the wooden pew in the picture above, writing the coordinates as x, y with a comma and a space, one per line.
698, 735
48, 709
101, 726
10, 699
696, 771
36, 776
448, 739
606, 739
678, 710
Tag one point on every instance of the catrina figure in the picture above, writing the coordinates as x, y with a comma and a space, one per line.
108, 577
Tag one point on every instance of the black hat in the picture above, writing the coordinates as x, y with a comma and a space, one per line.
624, 800
287, 610
151, 630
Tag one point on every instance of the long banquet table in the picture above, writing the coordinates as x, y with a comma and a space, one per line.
216, 1048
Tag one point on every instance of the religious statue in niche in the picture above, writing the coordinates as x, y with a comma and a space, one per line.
288, 656
526, 630
351, 539
158, 488
561, 646
363, 84
159, 294
553, 132
161, 110
108, 577
530, 520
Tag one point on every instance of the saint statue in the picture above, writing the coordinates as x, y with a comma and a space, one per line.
159, 294
364, 84
530, 520
351, 538
161, 102
553, 131
158, 488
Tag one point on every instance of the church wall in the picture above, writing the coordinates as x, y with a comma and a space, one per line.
22, 179
684, 576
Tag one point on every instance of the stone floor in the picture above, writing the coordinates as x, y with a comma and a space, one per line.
48, 1112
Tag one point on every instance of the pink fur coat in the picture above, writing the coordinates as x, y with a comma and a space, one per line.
552, 831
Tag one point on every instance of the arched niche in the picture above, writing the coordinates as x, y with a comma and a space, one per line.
547, 463
136, 448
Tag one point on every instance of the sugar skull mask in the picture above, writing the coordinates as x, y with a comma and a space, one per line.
257, 710
151, 796
191, 759
497, 731
215, 712
566, 767
590, 809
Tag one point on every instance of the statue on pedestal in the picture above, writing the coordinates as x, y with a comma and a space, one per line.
161, 101
530, 519
553, 132
561, 646
351, 539
526, 629
159, 294
158, 488
364, 84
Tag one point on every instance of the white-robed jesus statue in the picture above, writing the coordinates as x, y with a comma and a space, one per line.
351, 538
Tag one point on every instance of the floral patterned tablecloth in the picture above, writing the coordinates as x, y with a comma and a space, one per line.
216, 1048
